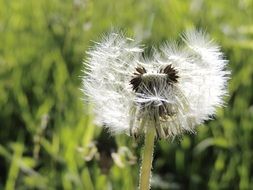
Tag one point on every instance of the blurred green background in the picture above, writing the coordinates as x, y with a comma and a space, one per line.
47, 136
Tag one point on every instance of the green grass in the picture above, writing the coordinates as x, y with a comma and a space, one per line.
48, 139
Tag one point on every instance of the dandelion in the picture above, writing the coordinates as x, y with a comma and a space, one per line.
164, 96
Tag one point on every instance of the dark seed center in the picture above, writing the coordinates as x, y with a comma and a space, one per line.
144, 82
169, 72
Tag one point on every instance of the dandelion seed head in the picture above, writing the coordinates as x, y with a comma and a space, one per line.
175, 91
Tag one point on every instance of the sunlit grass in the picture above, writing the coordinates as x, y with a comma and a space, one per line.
47, 130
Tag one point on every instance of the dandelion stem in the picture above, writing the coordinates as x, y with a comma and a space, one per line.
147, 159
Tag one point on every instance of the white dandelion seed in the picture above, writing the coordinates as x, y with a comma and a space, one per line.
175, 91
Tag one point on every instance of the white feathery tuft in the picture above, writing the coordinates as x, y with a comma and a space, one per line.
178, 89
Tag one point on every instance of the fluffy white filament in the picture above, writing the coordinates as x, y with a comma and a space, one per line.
201, 84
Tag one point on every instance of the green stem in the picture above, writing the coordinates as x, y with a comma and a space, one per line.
147, 160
